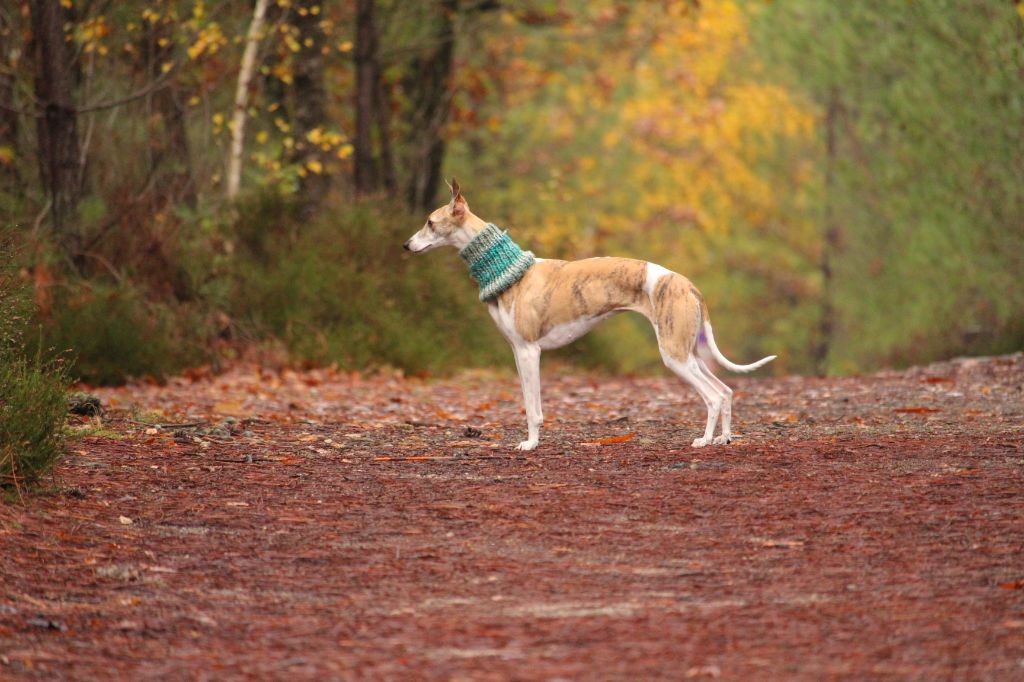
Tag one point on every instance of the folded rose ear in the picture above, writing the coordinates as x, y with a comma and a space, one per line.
458, 204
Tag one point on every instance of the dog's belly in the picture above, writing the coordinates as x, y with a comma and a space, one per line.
567, 332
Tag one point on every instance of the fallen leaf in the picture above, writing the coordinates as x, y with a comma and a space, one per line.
917, 410
613, 439
1013, 585
703, 671
125, 520
232, 408
769, 542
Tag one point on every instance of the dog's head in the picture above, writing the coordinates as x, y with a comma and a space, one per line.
441, 224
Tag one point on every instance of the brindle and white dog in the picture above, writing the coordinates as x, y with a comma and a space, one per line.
556, 302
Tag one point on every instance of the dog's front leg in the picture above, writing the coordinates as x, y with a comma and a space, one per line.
528, 364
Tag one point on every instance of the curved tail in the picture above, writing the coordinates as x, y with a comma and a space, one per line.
722, 360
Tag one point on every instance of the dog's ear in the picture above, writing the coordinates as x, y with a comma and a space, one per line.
458, 204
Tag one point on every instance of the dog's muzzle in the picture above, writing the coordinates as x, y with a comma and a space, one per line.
406, 245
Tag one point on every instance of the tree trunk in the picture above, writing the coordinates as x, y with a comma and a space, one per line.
310, 103
9, 177
367, 83
169, 135
245, 75
429, 88
382, 110
59, 165
830, 247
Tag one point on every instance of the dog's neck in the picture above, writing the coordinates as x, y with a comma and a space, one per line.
495, 261
471, 227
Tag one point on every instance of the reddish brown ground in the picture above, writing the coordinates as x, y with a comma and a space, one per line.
859, 528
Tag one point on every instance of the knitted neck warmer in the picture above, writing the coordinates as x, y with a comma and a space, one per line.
495, 261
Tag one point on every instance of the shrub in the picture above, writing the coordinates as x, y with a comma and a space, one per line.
32, 391
114, 333
32, 409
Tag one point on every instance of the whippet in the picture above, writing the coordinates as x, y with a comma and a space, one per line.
540, 304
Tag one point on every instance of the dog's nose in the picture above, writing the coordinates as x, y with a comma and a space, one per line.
406, 245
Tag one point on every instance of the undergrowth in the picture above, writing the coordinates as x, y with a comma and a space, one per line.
32, 390
113, 333
341, 289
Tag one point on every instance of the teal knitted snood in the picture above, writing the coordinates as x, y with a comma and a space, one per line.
495, 261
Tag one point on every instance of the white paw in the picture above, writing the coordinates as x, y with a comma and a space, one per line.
700, 442
527, 445
722, 440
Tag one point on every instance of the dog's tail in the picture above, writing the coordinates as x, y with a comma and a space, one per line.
709, 337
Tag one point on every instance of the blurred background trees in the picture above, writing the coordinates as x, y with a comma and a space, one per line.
844, 181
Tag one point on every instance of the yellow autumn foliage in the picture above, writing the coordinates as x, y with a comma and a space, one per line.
657, 149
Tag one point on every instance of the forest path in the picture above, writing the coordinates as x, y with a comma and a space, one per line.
321, 525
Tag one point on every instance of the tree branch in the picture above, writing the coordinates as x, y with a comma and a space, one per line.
158, 84
21, 112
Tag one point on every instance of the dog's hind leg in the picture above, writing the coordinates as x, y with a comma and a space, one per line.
726, 393
690, 371
676, 311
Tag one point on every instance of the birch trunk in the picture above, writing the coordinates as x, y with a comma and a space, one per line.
242, 99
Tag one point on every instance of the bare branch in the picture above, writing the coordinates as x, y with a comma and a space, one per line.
21, 112
158, 84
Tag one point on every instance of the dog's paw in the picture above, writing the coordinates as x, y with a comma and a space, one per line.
527, 445
722, 440
700, 442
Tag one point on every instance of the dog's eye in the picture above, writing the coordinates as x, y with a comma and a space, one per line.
430, 223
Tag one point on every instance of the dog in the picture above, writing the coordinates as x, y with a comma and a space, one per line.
540, 304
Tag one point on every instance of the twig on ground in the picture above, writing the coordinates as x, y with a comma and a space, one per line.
186, 425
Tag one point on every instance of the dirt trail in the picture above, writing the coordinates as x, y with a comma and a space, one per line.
325, 526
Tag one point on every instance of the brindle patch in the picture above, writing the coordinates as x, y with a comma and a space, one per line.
675, 314
700, 300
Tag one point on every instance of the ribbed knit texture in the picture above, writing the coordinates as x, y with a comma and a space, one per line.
495, 261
